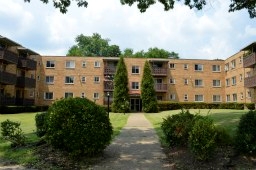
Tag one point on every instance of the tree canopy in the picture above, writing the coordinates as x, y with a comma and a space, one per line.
143, 5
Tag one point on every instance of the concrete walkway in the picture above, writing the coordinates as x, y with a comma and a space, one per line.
137, 147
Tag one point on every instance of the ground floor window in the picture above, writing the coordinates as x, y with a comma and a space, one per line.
48, 95
68, 94
199, 98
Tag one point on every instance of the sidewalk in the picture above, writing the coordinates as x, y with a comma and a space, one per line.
137, 148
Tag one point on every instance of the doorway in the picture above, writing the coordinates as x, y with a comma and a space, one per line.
136, 104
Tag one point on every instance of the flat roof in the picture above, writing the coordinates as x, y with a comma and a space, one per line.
248, 47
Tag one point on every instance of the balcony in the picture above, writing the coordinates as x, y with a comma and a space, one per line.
7, 101
159, 87
25, 82
109, 70
27, 64
250, 81
249, 61
8, 57
108, 85
7, 78
24, 102
159, 71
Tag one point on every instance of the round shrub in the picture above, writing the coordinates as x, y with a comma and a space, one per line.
245, 140
78, 126
202, 138
176, 128
41, 125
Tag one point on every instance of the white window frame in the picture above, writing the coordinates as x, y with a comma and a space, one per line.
227, 67
228, 98
50, 64
249, 94
228, 82
69, 80
242, 95
68, 94
234, 96
185, 97
241, 77
172, 65
96, 95
216, 98
135, 85
48, 95
233, 64
172, 81
185, 66
135, 70
96, 79
70, 64
199, 83
216, 68
199, 98
31, 93
186, 81
216, 83
172, 96
83, 95
233, 80
84, 64
83, 79
97, 64
49, 79
199, 67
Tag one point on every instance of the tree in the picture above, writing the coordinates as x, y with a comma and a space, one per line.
148, 94
128, 52
143, 5
121, 90
159, 53
93, 46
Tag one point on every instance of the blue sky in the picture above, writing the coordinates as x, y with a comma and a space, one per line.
208, 34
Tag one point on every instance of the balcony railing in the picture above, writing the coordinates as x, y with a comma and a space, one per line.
108, 86
7, 101
7, 78
24, 102
25, 82
159, 87
109, 70
8, 56
27, 64
249, 61
159, 71
250, 81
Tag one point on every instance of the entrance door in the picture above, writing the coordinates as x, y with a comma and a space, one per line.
136, 104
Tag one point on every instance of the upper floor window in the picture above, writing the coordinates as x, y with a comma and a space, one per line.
249, 94
198, 82
135, 85
172, 66
248, 74
172, 81
199, 67
96, 79
216, 68
69, 80
96, 96
241, 77
96, 64
216, 83
227, 67
227, 82
233, 64
185, 66
186, 81
135, 69
240, 59
216, 98
70, 64
199, 98
48, 95
83, 64
50, 64
83, 79
233, 80
68, 94
242, 95
49, 79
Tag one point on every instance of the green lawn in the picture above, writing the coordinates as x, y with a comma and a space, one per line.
225, 118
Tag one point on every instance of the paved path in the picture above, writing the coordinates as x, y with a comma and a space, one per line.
137, 148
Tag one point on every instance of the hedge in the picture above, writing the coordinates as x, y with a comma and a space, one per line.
21, 109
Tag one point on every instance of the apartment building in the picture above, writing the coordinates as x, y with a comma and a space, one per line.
50, 78
17, 74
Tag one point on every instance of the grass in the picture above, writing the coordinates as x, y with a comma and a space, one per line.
226, 118
24, 155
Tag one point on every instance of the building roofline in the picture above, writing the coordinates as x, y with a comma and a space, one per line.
8, 41
250, 46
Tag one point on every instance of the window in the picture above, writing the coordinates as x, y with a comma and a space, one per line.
234, 97
216, 83
242, 95
227, 67
216, 68
70, 64
96, 64
159, 98
135, 69
68, 94
50, 64
216, 98
48, 95
83, 64
228, 98
135, 85
82, 95
249, 95
186, 81
172, 81
233, 64
198, 67
49, 79
38, 78
185, 97
227, 82
31, 93
185, 66
172, 66
198, 82
248, 74
96, 95
199, 98
69, 80
158, 81
172, 96
96, 79
241, 77
83, 79
233, 81
240, 60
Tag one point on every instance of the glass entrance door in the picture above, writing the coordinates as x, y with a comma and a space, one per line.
136, 105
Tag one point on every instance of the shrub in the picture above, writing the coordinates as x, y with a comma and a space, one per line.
245, 140
12, 132
78, 126
223, 137
176, 128
202, 138
41, 126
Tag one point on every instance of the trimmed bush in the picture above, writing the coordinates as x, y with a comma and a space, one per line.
41, 126
245, 140
21, 109
223, 137
202, 138
12, 132
78, 126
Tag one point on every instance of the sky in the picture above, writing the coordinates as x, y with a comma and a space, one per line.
212, 33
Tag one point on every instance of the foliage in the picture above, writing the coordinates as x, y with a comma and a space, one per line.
21, 109
202, 138
121, 90
93, 46
246, 133
41, 124
176, 128
78, 126
223, 137
143, 5
148, 94
12, 132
